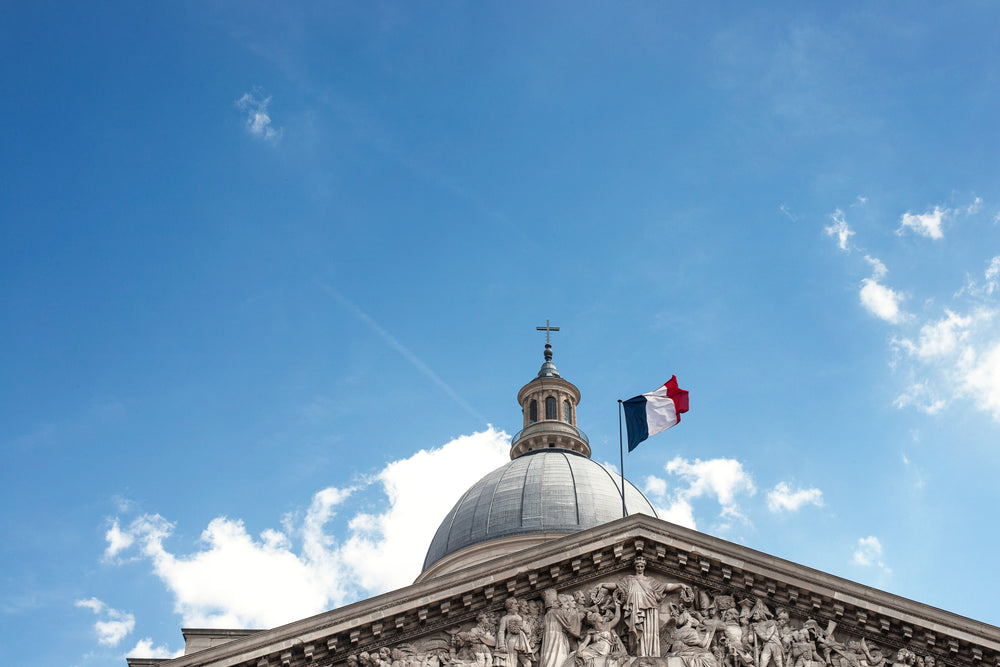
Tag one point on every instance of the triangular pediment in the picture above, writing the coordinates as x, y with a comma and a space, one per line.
739, 598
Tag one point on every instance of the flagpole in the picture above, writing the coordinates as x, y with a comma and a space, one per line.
621, 452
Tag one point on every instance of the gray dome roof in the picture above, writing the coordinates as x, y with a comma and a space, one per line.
544, 491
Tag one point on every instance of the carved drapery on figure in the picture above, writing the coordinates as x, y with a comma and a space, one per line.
639, 621
559, 627
640, 598
513, 647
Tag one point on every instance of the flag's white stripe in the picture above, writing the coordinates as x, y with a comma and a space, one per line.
661, 413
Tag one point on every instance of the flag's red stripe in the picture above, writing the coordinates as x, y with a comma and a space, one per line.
678, 395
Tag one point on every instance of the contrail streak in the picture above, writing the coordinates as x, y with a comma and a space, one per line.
403, 350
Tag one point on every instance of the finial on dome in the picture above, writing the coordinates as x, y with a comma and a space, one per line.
548, 369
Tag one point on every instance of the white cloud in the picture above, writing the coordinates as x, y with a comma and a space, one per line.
869, 553
881, 301
840, 229
655, 486
939, 338
975, 207
680, 512
421, 490
926, 224
949, 359
725, 480
955, 357
782, 497
223, 584
979, 375
258, 121
992, 275
878, 268
144, 649
112, 625
920, 396
118, 540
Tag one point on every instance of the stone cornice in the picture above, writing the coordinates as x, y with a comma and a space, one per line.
595, 555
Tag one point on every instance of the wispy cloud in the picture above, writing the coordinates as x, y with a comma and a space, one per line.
921, 396
954, 355
722, 480
258, 121
952, 358
926, 224
783, 498
868, 553
992, 275
914, 470
112, 625
839, 229
308, 568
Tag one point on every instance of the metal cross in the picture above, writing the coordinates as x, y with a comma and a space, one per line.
548, 330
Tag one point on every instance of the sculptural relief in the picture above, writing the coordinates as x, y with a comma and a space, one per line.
639, 620
601, 646
640, 597
513, 648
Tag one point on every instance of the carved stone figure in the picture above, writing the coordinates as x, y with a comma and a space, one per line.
690, 641
640, 598
398, 659
732, 638
513, 647
601, 646
767, 637
905, 658
873, 656
585, 627
475, 645
558, 626
802, 651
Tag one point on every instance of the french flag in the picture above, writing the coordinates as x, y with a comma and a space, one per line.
656, 411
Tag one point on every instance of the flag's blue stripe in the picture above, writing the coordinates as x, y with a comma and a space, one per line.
635, 421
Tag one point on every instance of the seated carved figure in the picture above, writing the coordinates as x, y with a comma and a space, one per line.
690, 642
601, 646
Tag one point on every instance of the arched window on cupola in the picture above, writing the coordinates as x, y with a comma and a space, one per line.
533, 412
567, 413
550, 408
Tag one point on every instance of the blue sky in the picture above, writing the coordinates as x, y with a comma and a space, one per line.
270, 277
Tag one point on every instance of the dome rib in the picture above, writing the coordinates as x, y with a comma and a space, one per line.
450, 519
524, 487
576, 490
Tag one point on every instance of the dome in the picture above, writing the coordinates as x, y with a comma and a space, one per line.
540, 492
